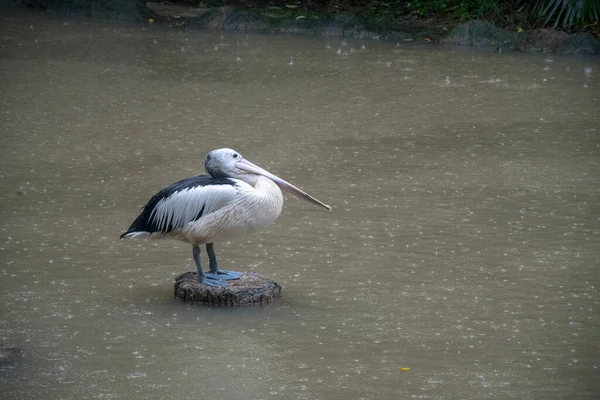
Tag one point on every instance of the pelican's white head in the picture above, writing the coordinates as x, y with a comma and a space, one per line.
228, 163
220, 163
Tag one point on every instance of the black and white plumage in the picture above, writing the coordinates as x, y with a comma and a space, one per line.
178, 204
236, 198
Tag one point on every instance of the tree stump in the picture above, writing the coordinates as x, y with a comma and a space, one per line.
251, 288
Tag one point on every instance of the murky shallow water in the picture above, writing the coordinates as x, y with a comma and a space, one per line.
464, 242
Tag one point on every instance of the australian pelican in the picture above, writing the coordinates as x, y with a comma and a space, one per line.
236, 198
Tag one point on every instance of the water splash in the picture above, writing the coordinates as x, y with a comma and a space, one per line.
588, 72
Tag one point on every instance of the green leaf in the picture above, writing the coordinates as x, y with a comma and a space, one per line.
566, 13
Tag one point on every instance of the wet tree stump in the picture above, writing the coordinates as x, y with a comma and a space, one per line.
251, 288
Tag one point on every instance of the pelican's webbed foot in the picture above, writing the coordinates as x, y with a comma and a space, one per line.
208, 278
223, 274
215, 272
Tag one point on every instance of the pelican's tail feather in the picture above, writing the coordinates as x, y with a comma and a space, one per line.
129, 235
137, 229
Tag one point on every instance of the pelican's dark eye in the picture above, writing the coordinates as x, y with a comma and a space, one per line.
235, 155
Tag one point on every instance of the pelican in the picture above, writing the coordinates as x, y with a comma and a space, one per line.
236, 198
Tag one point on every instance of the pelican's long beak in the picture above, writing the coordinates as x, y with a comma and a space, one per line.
247, 166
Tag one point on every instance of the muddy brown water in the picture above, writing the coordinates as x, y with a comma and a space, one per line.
464, 242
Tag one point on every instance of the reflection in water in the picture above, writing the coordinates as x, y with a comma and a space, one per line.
463, 243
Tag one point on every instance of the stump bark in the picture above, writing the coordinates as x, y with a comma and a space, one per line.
251, 288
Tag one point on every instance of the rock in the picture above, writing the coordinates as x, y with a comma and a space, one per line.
242, 20
251, 288
580, 43
459, 35
333, 31
480, 33
211, 18
426, 36
291, 27
9, 355
344, 20
544, 40
231, 19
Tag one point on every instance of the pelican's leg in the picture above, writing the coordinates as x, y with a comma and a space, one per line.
202, 277
214, 266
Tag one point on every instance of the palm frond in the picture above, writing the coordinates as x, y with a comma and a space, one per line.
567, 13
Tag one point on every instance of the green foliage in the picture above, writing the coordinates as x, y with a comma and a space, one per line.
465, 9
385, 14
463, 12
568, 13
287, 13
377, 16
427, 8
482, 8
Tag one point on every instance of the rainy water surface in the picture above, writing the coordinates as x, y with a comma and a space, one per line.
461, 259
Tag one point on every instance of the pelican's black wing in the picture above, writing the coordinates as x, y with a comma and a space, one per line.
181, 203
